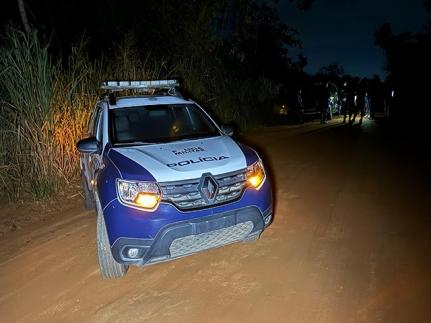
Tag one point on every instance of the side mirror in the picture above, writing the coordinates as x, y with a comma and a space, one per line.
88, 145
227, 130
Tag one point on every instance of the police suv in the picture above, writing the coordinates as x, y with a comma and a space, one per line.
165, 179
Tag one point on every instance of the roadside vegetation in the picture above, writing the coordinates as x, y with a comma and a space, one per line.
44, 109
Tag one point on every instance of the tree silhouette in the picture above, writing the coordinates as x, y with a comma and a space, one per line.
408, 65
23, 15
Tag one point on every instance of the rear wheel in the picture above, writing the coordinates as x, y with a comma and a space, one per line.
89, 202
109, 268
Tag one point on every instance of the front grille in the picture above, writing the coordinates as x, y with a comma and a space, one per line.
185, 195
195, 243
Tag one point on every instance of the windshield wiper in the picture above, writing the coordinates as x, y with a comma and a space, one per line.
192, 137
133, 143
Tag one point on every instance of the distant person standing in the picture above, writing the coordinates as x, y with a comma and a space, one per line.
360, 105
389, 103
332, 99
300, 105
367, 106
350, 102
359, 102
354, 107
343, 101
324, 102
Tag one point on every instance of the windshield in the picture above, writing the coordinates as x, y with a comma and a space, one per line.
159, 123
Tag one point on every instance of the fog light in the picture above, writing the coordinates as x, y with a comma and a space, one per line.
133, 252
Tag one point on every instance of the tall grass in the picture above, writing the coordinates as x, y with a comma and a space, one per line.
26, 85
44, 109
45, 105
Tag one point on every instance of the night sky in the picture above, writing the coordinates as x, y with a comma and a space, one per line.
337, 31
342, 31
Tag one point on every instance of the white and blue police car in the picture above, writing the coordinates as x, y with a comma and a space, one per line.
165, 179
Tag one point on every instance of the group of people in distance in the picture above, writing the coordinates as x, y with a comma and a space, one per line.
350, 100
354, 102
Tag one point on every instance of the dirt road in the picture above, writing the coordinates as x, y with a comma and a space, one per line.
350, 243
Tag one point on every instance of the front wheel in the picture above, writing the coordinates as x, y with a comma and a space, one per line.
109, 268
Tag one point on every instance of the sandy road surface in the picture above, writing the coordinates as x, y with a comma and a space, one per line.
350, 243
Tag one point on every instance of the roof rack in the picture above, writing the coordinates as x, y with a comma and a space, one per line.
155, 87
113, 86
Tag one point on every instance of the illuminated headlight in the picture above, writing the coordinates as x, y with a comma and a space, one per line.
144, 195
256, 175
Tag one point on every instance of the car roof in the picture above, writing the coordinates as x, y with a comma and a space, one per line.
134, 101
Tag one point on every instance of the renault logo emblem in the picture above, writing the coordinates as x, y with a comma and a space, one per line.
208, 188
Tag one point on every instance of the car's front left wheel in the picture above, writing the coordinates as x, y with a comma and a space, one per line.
109, 268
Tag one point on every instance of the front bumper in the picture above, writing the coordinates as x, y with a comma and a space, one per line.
194, 235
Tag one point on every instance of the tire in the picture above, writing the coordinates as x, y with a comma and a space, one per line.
89, 202
109, 268
252, 238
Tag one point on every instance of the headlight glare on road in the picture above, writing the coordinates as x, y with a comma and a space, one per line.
256, 175
144, 195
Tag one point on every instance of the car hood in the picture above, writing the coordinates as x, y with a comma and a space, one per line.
188, 159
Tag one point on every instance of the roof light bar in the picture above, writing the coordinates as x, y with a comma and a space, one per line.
138, 85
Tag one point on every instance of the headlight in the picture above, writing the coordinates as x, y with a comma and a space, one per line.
144, 195
256, 175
